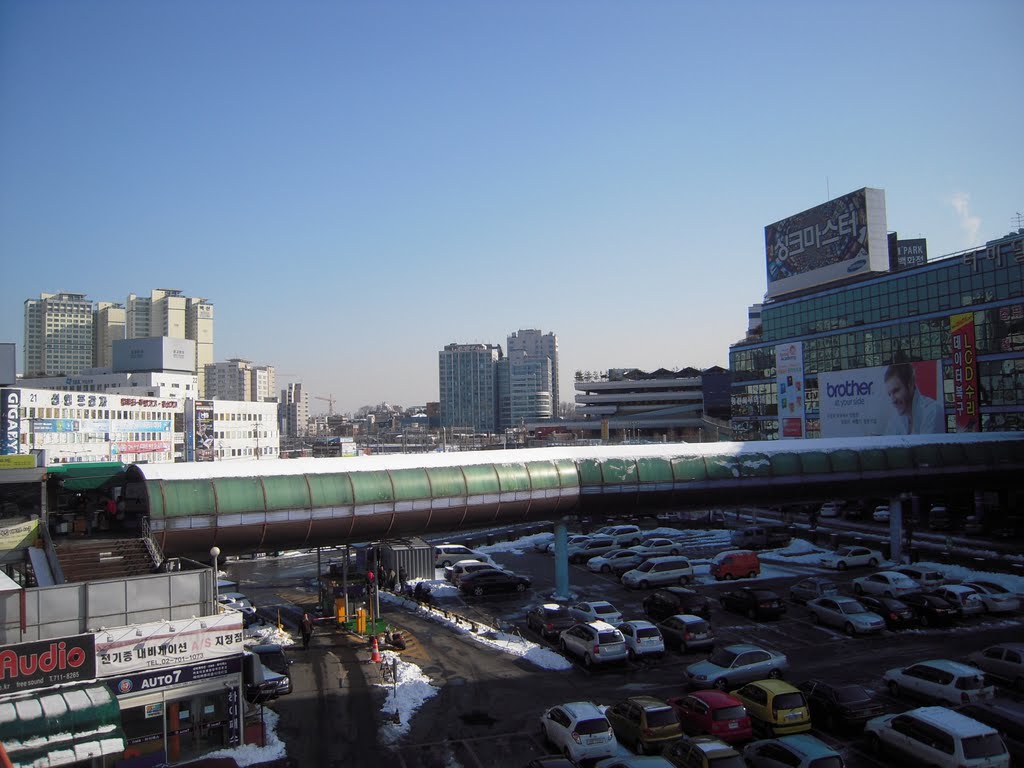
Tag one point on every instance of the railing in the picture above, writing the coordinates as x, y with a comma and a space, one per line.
147, 536
51, 554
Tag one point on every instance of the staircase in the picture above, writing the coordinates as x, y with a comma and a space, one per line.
94, 559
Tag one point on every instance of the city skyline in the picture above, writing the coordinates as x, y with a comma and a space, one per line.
354, 187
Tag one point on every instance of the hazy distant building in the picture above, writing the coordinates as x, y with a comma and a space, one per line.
468, 383
58, 334
293, 411
238, 379
109, 325
524, 390
166, 312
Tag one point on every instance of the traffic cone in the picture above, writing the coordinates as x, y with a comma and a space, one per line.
375, 657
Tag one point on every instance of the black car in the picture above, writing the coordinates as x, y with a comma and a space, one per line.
1005, 716
755, 603
671, 601
492, 582
273, 657
549, 619
842, 706
931, 610
896, 613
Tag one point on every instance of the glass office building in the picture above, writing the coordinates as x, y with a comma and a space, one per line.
962, 314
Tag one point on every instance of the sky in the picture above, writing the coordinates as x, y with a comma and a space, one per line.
354, 185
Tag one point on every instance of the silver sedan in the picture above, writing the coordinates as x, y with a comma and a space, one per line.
846, 614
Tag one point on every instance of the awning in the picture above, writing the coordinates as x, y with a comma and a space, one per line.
61, 726
88, 475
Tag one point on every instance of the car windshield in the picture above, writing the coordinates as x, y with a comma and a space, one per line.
788, 701
729, 713
604, 609
723, 657
986, 745
852, 607
851, 693
275, 661
596, 725
657, 718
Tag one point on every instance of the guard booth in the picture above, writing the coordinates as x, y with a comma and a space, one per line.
414, 555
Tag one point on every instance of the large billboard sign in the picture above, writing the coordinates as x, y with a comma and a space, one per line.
43, 663
900, 399
839, 239
167, 644
965, 373
10, 422
789, 371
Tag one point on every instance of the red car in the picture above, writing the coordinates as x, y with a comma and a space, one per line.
715, 713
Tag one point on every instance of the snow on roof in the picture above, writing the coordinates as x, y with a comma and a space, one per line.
952, 721
380, 462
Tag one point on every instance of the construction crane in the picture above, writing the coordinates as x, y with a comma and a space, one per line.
330, 403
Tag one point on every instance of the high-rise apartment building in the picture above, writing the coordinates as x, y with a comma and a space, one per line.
238, 379
109, 326
468, 379
538, 345
166, 312
58, 334
293, 410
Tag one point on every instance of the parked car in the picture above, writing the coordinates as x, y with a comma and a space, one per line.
812, 587
552, 761
800, 750
489, 582
887, 583
1004, 661
549, 619
595, 610
895, 613
579, 730
573, 540
642, 638
926, 578
447, 554
939, 681
994, 597
931, 610
634, 761
755, 602
274, 657
763, 536
852, 557
687, 633
542, 541
618, 561
963, 597
456, 571
775, 707
733, 665
936, 736
644, 723
595, 545
716, 713
703, 752
625, 535
735, 564
831, 509
845, 613
669, 601
595, 642
881, 514
1005, 716
656, 546
842, 706
659, 572
236, 601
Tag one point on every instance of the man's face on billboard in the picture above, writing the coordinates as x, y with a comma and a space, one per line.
899, 394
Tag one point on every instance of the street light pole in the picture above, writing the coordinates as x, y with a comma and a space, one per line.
215, 553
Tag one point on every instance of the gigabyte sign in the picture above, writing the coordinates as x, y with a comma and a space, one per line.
10, 422
42, 663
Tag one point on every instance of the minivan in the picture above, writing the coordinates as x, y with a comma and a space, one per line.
735, 564
659, 571
447, 554
937, 736
761, 536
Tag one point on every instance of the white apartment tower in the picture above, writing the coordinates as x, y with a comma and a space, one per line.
535, 345
238, 379
109, 325
58, 334
166, 312
293, 411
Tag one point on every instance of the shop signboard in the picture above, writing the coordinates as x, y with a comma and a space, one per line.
168, 644
10, 422
44, 663
965, 373
18, 535
789, 372
204, 430
886, 400
143, 682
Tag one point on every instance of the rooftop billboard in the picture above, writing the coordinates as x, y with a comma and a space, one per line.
832, 241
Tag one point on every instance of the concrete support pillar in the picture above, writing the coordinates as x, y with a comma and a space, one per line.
561, 560
896, 530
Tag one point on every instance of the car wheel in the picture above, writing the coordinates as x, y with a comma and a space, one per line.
841, 565
858, 589
816, 618
635, 543
874, 745
721, 684
752, 574
643, 584
849, 629
728, 577
632, 655
520, 587
894, 689
1019, 684
721, 601
568, 753
830, 722
674, 552
751, 613
606, 568
587, 661
478, 591
562, 646
925, 621
873, 562
639, 747
889, 594
775, 674
446, 563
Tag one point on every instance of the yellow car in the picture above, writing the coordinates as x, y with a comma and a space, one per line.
776, 708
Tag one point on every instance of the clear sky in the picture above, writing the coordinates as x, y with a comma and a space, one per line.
355, 185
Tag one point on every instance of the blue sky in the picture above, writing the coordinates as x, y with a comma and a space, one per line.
355, 185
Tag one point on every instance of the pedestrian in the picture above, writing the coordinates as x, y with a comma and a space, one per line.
402, 578
392, 580
306, 626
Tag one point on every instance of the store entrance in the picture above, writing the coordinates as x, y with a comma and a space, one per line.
197, 725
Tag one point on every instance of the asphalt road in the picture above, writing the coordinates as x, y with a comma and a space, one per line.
486, 711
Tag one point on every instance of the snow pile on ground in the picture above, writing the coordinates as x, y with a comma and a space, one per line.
262, 633
250, 754
406, 694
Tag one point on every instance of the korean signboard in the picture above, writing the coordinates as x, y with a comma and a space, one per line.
204, 433
911, 253
900, 399
142, 682
965, 373
18, 535
836, 240
43, 663
789, 371
164, 644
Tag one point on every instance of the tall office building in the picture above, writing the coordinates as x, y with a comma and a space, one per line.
166, 312
293, 411
524, 390
109, 326
238, 379
468, 379
538, 345
58, 334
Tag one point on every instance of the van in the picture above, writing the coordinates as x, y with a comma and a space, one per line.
659, 571
937, 736
761, 536
448, 554
735, 564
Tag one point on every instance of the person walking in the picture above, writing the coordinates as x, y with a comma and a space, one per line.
402, 578
306, 626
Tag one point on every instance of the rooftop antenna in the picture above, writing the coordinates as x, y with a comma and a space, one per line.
1018, 220
828, 192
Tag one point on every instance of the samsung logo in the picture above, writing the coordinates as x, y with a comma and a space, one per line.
859, 264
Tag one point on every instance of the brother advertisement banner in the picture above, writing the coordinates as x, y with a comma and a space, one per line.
965, 373
789, 372
900, 399
165, 644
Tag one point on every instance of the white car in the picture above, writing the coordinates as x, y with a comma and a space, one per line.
963, 597
658, 545
885, 583
624, 535
995, 597
881, 514
936, 736
594, 642
618, 561
939, 681
1004, 660
642, 638
579, 730
455, 572
446, 554
830, 509
845, 613
595, 610
574, 540
926, 578
595, 545
852, 557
